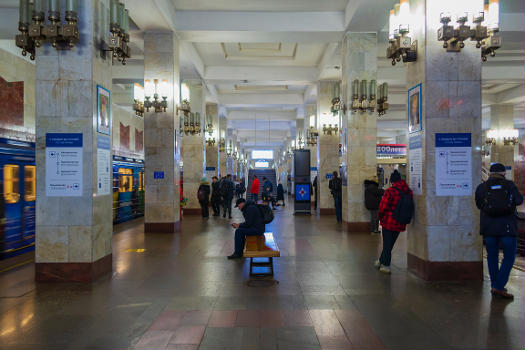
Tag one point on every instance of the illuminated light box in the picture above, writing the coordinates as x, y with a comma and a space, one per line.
262, 154
262, 164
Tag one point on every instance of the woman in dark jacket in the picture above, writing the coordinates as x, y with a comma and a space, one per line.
203, 195
373, 196
280, 193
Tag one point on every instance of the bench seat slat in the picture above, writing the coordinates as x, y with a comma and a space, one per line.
261, 246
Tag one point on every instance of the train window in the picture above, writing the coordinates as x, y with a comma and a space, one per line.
11, 183
125, 180
30, 183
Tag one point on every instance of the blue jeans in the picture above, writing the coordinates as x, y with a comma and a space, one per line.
499, 276
338, 204
255, 197
389, 239
240, 238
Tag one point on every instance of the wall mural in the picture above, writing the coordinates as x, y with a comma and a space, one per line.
11, 103
139, 140
124, 137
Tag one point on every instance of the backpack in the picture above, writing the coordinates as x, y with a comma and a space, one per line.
266, 213
498, 199
201, 194
404, 210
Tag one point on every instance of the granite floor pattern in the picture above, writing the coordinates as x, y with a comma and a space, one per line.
181, 293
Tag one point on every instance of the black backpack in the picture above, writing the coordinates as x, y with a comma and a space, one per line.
498, 199
266, 213
404, 210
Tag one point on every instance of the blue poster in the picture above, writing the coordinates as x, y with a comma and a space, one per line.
302, 192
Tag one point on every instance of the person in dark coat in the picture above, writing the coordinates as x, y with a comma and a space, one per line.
227, 190
499, 228
373, 196
391, 227
280, 193
336, 188
315, 192
253, 225
203, 195
215, 196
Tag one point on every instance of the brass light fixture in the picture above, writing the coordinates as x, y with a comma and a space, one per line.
484, 30
509, 137
369, 97
401, 45
311, 136
138, 99
34, 31
155, 89
192, 124
222, 144
119, 28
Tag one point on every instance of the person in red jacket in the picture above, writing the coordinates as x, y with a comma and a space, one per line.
254, 190
391, 227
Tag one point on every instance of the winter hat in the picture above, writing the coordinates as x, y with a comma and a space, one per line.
204, 179
395, 177
497, 168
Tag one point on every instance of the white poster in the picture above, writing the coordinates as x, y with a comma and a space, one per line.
63, 164
454, 164
103, 165
415, 161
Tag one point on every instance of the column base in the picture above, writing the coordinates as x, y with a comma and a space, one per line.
326, 211
445, 270
162, 227
356, 227
192, 211
73, 271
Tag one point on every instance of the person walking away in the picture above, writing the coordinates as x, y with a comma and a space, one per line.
336, 188
315, 192
254, 190
280, 193
237, 190
215, 196
227, 190
243, 187
396, 210
373, 196
203, 195
497, 198
253, 225
268, 187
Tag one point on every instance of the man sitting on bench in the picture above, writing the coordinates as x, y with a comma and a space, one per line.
253, 225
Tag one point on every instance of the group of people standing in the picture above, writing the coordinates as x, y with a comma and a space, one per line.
267, 192
497, 199
222, 192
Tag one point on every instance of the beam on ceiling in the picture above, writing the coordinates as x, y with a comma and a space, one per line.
211, 36
260, 99
242, 73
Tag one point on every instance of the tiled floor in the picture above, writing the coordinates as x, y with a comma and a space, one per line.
181, 293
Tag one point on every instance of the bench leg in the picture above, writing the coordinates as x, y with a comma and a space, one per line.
268, 264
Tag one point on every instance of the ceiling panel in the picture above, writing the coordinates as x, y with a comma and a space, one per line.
261, 5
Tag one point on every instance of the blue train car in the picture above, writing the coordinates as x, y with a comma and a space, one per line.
17, 197
128, 188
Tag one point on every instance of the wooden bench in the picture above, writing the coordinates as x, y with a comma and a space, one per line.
261, 247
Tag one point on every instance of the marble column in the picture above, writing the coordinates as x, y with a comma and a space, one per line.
194, 151
212, 150
162, 138
327, 146
74, 225
502, 118
311, 120
229, 148
359, 160
443, 240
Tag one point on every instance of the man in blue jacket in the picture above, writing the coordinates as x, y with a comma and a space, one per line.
253, 225
497, 199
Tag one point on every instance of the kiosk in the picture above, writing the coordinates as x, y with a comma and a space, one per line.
302, 181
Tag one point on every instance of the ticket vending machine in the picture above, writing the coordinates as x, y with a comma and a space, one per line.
302, 183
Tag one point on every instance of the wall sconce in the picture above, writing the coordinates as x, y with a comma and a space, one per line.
222, 144
300, 141
364, 96
311, 136
119, 32
153, 89
210, 141
34, 31
138, 99
382, 101
401, 45
507, 136
484, 30
328, 130
192, 124
209, 125
336, 100
229, 149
